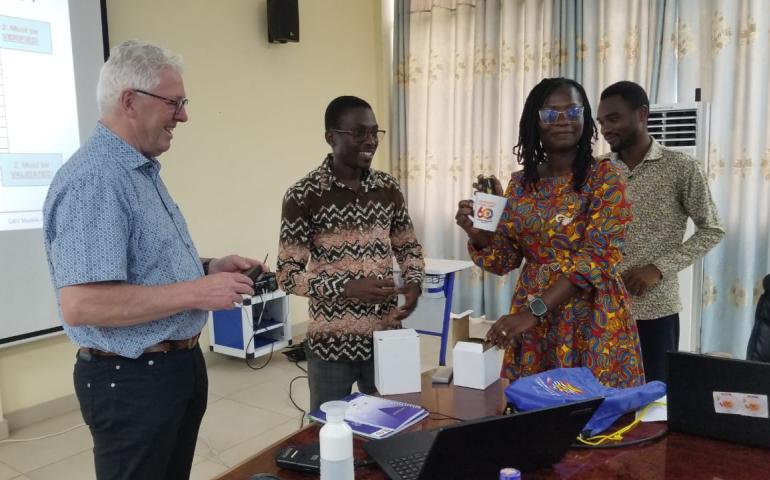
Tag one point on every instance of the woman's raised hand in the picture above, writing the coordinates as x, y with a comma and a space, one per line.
464, 218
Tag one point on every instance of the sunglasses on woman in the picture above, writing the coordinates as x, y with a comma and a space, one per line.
572, 114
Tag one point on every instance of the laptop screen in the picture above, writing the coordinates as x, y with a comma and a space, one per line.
722, 398
480, 448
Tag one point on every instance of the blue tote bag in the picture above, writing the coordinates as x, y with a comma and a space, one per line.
565, 385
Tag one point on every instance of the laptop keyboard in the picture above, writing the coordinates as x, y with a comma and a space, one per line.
408, 468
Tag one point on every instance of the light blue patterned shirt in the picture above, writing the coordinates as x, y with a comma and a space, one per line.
108, 217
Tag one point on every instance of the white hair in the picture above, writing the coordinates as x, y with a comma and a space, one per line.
133, 64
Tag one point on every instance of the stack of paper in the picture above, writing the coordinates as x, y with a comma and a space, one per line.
376, 417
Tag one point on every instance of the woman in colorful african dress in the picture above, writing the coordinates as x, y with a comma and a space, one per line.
566, 217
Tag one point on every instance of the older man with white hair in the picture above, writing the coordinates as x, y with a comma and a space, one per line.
131, 288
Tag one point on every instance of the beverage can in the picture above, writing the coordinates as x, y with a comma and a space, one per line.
510, 474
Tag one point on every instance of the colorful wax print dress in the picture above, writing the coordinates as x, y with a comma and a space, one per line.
579, 234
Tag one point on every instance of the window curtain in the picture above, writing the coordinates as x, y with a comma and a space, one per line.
723, 47
463, 70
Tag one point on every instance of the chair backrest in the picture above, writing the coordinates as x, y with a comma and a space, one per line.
759, 342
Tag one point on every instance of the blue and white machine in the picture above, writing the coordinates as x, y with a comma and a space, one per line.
259, 327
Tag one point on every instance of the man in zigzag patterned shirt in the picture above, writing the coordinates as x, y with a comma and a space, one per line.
341, 226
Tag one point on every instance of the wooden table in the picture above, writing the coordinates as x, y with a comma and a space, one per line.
675, 456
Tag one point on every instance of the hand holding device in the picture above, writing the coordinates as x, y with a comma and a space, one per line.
229, 263
254, 273
489, 185
464, 219
219, 291
479, 217
371, 289
411, 294
488, 203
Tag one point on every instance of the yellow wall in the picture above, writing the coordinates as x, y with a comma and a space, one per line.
256, 126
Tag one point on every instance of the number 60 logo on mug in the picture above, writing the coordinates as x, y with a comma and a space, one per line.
487, 210
484, 213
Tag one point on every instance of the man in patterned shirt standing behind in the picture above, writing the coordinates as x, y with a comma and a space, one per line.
132, 291
666, 187
340, 228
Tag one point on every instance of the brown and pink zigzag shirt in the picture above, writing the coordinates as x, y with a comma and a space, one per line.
331, 235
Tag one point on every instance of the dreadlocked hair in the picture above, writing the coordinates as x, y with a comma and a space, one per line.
529, 151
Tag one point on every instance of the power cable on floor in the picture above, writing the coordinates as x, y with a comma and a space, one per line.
291, 397
21, 440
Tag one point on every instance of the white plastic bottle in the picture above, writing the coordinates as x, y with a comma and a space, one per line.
336, 439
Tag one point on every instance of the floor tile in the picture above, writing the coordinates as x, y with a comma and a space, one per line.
28, 456
56, 424
80, 467
233, 375
281, 361
274, 396
202, 448
206, 470
213, 397
237, 454
228, 423
6, 472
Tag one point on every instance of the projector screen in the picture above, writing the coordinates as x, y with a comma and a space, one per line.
50, 55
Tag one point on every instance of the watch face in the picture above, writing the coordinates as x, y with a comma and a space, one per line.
538, 307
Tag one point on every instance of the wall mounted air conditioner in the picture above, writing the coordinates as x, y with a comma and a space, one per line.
685, 127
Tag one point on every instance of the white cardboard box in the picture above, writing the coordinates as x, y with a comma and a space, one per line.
397, 361
474, 367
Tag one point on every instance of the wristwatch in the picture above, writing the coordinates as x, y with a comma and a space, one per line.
537, 306
206, 263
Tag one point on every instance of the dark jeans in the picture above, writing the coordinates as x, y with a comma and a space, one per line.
333, 380
144, 414
657, 337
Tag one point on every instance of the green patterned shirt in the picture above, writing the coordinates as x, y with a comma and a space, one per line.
666, 189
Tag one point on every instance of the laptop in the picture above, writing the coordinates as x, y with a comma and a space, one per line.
717, 397
480, 448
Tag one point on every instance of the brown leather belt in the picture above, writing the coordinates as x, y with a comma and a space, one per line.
164, 347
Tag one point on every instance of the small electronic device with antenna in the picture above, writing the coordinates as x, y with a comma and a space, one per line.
264, 282
254, 273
